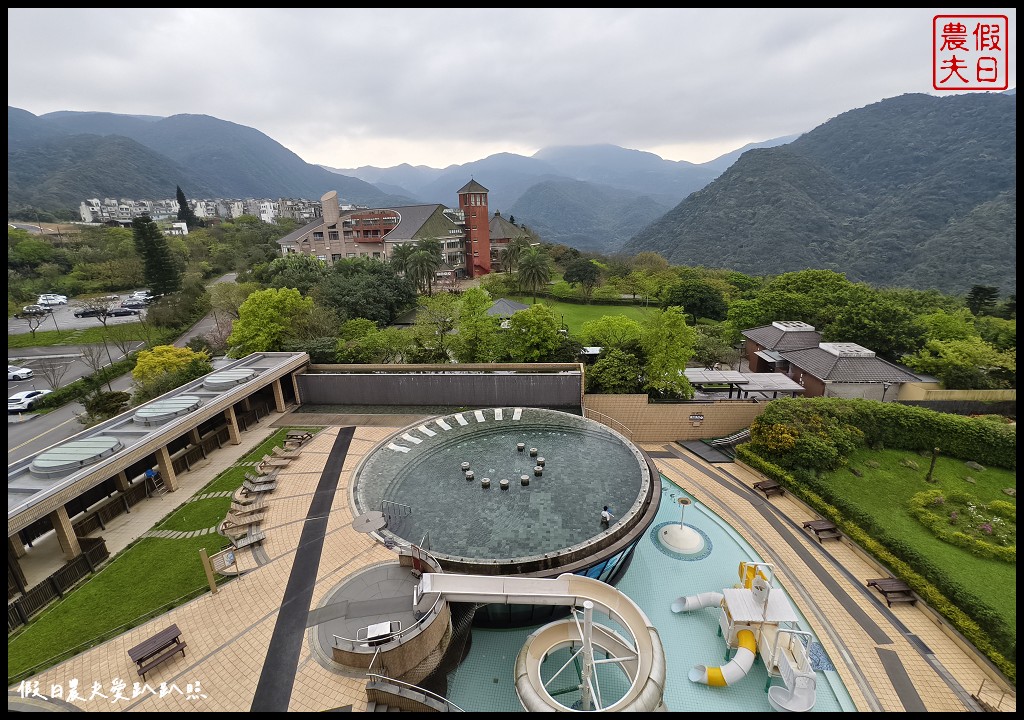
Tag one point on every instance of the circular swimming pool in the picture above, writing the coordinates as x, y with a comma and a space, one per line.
440, 485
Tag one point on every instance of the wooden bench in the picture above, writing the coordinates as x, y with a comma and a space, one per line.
769, 488
893, 590
154, 650
823, 529
165, 655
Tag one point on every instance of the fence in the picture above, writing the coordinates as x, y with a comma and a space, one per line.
94, 553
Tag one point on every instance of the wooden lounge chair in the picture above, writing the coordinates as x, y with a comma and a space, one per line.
254, 537
234, 526
236, 531
286, 454
253, 506
252, 488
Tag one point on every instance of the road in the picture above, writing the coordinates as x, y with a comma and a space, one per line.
29, 433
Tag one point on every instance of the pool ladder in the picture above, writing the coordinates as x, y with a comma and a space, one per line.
391, 509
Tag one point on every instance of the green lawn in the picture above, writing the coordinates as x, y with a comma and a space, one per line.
128, 591
88, 336
575, 314
885, 491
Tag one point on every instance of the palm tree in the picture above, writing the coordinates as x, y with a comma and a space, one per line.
534, 270
421, 268
513, 251
400, 255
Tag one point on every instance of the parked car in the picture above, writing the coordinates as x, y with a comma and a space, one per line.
18, 373
25, 400
36, 310
135, 303
52, 299
122, 311
90, 312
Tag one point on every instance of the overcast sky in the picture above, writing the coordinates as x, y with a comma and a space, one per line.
351, 87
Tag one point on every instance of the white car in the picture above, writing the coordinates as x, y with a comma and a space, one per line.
52, 299
25, 400
18, 373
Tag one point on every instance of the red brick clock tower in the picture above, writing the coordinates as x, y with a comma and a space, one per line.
473, 204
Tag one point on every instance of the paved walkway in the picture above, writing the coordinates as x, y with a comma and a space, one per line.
899, 659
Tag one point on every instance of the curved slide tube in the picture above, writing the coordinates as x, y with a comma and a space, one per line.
696, 602
734, 670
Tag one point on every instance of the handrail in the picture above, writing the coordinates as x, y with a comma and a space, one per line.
417, 688
805, 655
400, 507
628, 433
434, 610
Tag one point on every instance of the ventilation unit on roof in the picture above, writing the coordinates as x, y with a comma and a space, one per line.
792, 326
847, 350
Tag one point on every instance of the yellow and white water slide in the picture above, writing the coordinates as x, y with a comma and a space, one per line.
641, 656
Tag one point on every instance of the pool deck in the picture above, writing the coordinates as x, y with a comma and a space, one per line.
250, 646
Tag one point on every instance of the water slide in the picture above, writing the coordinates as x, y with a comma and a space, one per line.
799, 692
642, 658
734, 670
697, 602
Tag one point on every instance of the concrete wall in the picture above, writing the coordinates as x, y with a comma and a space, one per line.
923, 391
641, 421
553, 385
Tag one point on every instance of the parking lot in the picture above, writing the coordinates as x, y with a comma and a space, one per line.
63, 318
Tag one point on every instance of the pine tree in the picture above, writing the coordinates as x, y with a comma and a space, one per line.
185, 212
159, 268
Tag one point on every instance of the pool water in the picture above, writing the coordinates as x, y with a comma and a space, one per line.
421, 467
484, 682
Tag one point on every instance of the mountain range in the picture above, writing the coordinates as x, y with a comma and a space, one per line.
58, 159
916, 191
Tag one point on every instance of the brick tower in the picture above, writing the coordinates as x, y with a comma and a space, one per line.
473, 204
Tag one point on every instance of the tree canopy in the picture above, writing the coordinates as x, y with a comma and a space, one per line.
266, 320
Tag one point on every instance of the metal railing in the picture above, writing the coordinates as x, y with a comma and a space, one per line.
435, 607
395, 509
415, 688
608, 420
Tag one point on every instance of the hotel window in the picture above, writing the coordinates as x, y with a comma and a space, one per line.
332, 235
318, 236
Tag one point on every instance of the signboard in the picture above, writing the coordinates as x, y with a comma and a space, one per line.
223, 560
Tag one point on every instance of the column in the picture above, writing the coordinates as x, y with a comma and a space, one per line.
278, 396
166, 467
295, 387
196, 440
121, 481
229, 415
65, 533
16, 546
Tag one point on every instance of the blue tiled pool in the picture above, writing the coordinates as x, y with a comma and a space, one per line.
484, 682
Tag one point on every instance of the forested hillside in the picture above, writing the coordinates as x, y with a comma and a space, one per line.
915, 191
